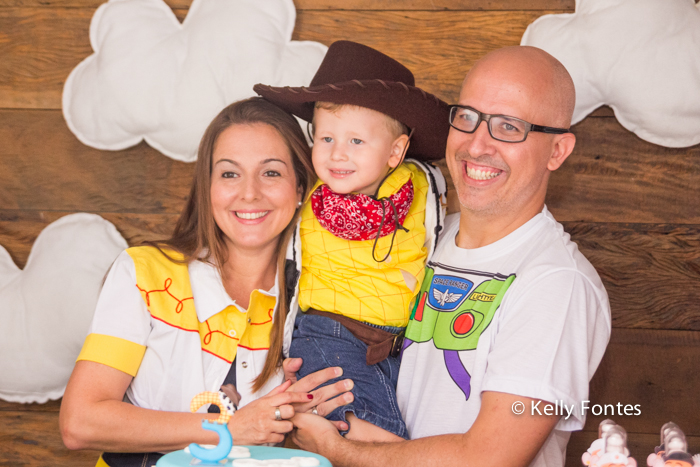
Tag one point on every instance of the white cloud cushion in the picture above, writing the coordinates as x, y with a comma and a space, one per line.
640, 57
46, 309
153, 78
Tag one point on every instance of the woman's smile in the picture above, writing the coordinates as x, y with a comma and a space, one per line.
250, 215
253, 185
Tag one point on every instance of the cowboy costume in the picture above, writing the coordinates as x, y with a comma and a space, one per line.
357, 249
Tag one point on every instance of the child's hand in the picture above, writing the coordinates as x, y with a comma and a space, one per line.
290, 367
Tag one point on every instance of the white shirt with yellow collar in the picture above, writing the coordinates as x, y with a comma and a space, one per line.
187, 350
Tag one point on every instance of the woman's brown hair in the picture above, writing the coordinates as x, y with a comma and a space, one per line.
196, 234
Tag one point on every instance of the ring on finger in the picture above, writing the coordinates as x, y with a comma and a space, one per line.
278, 414
314, 411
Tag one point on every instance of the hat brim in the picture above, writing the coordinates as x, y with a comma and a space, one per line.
424, 113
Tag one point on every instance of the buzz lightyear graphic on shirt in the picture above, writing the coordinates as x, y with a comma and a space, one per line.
453, 309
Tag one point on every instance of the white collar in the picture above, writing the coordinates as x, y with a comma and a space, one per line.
505, 245
210, 296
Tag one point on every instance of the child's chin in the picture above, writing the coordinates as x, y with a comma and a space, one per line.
340, 189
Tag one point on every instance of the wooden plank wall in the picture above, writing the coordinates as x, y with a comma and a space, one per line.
633, 207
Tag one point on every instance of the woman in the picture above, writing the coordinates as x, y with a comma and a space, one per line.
207, 297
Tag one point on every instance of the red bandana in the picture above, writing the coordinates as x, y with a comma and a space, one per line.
358, 216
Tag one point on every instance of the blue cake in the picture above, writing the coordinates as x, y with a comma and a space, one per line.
255, 456
225, 453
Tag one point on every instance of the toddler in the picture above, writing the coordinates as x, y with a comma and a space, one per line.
369, 224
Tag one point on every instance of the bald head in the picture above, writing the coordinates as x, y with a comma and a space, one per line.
540, 77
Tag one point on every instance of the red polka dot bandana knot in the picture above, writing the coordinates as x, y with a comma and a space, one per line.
358, 216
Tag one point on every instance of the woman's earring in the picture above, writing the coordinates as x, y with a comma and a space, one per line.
299, 204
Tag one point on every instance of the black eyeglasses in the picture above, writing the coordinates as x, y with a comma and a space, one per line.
501, 127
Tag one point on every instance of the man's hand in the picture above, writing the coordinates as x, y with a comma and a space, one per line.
498, 438
315, 434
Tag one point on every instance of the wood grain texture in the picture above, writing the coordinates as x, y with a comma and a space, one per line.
439, 47
345, 4
32, 438
652, 368
650, 271
19, 229
614, 176
42, 45
50, 406
481, 5
603, 111
55, 172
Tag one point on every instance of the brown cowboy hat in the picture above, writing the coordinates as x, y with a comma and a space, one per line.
355, 74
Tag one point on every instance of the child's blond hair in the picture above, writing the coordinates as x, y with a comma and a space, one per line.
394, 126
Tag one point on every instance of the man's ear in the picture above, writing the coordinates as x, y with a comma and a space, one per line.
398, 149
563, 146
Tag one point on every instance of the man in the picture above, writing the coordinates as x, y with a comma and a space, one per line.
511, 317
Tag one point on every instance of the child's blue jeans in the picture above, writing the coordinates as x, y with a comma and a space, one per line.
323, 342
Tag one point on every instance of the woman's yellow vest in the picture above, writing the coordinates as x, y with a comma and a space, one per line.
341, 276
165, 287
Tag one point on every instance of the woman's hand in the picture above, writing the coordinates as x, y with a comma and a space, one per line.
257, 422
324, 400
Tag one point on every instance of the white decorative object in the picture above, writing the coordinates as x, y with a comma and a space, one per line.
153, 78
640, 57
292, 462
239, 452
615, 452
46, 309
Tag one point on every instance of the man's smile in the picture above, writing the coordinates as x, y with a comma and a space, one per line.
480, 172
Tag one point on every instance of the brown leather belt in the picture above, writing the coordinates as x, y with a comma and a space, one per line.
380, 343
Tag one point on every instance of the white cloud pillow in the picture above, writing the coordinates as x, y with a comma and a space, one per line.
153, 78
46, 309
640, 57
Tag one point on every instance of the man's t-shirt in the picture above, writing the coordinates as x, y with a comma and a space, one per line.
526, 315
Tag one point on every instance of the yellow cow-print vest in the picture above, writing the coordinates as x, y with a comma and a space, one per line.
340, 276
165, 287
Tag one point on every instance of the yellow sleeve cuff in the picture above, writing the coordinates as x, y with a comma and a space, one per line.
116, 352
